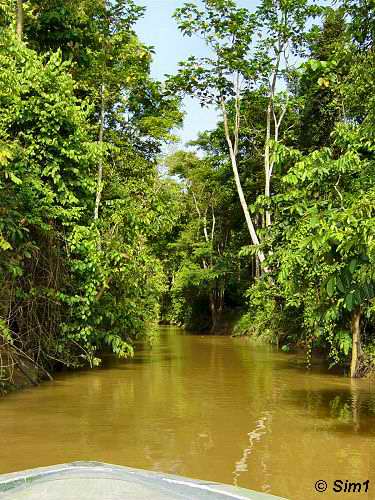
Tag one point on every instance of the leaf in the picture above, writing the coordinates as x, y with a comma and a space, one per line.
349, 301
365, 292
344, 341
331, 286
357, 298
340, 284
314, 64
15, 179
4, 245
352, 265
346, 278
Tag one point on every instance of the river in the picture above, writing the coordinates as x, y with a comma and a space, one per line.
208, 407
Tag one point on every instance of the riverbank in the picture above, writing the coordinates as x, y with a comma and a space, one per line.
19, 375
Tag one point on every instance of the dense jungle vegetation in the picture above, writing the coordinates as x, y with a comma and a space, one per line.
271, 213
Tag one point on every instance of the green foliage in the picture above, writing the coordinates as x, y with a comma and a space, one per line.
268, 318
323, 236
205, 274
71, 286
95, 243
320, 253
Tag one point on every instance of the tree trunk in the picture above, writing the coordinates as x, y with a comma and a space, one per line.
233, 159
267, 169
99, 187
213, 311
216, 298
249, 222
268, 164
356, 343
19, 19
257, 267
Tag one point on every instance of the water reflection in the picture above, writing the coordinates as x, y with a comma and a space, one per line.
254, 436
348, 410
214, 408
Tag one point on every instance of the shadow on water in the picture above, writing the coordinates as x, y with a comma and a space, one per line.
349, 409
139, 360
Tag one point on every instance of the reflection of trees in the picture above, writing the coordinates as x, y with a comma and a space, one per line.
321, 426
342, 408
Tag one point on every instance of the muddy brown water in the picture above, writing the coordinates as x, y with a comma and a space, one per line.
207, 407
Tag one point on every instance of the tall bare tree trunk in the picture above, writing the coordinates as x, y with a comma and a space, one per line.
356, 342
245, 208
233, 150
99, 187
267, 166
19, 19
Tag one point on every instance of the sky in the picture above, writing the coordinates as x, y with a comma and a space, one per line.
159, 29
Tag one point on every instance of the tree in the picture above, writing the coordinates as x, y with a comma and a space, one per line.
320, 106
19, 17
45, 188
203, 264
248, 51
73, 286
284, 34
326, 262
228, 32
323, 232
